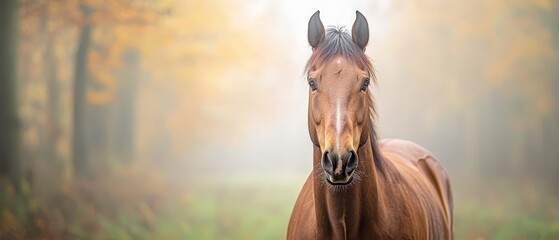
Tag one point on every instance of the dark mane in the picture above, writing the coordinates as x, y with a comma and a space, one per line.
338, 42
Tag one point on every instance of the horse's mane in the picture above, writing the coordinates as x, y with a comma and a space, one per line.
338, 42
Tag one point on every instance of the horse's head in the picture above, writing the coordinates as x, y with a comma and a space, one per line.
339, 74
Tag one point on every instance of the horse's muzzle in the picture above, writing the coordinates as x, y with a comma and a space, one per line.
339, 168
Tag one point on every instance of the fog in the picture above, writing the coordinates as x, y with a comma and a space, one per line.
194, 113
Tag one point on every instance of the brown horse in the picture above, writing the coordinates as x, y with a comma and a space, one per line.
361, 187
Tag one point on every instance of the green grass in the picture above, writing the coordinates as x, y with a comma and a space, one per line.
252, 209
261, 211
507, 214
230, 211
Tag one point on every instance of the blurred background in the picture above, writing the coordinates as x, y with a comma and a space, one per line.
186, 119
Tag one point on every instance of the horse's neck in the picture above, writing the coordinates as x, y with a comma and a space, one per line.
342, 212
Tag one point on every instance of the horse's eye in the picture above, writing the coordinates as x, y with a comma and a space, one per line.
312, 84
365, 84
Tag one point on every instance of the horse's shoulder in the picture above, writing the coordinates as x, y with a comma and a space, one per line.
404, 149
403, 152
398, 150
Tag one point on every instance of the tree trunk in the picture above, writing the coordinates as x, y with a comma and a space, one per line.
9, 122
53, 95
80, 87
98, 140
125, 108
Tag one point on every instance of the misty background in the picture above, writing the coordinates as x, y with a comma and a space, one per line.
187, 119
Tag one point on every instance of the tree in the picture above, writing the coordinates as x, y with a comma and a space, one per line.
110, 99
53, 127
9, 125
125, 106
79, 152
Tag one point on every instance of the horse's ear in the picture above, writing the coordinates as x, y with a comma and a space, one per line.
360, 31
316, 30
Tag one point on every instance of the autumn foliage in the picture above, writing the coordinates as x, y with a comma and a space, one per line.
194, 113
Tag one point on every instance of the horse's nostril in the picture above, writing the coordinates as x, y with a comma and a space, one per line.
327, 163
351, 162
339, 166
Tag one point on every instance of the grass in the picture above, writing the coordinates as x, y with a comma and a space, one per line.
244, 209
252, 210
231, 211
507, 214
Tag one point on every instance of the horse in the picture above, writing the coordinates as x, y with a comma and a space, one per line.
361, 187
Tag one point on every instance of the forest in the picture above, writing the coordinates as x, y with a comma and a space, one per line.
187, 119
